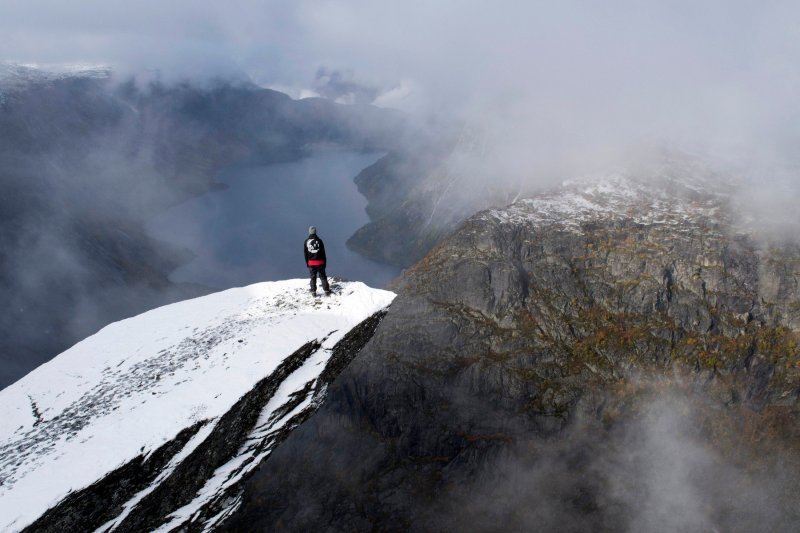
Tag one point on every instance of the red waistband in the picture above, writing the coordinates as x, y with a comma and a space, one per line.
315, 262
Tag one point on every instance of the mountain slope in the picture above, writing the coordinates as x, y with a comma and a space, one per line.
618, 354
156, 418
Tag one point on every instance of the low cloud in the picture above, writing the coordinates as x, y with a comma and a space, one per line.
341, 86
551, 83
653, 471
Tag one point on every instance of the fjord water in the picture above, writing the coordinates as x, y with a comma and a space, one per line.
254, 230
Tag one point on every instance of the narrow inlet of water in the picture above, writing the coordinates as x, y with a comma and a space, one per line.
254, 231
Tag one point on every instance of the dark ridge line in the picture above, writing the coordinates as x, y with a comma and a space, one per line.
93, 506
342, 354
103, 501
217, 449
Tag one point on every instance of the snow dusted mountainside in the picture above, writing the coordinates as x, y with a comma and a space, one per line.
152, 421
619, 197
674, 190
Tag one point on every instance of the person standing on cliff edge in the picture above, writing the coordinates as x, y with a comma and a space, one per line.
314, 250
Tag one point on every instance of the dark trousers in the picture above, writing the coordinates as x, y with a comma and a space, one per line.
318, 270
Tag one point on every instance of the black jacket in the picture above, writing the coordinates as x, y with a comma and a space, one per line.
314, 250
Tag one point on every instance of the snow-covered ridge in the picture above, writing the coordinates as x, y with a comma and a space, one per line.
18, 76
622, 195
135, 385
33, 72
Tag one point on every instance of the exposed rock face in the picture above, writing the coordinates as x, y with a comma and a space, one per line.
616, 355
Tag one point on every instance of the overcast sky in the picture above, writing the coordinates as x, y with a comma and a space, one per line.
558, 75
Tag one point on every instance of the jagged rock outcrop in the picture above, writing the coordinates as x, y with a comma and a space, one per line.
615, 355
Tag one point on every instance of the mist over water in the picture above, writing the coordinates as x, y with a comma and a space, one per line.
254, 230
